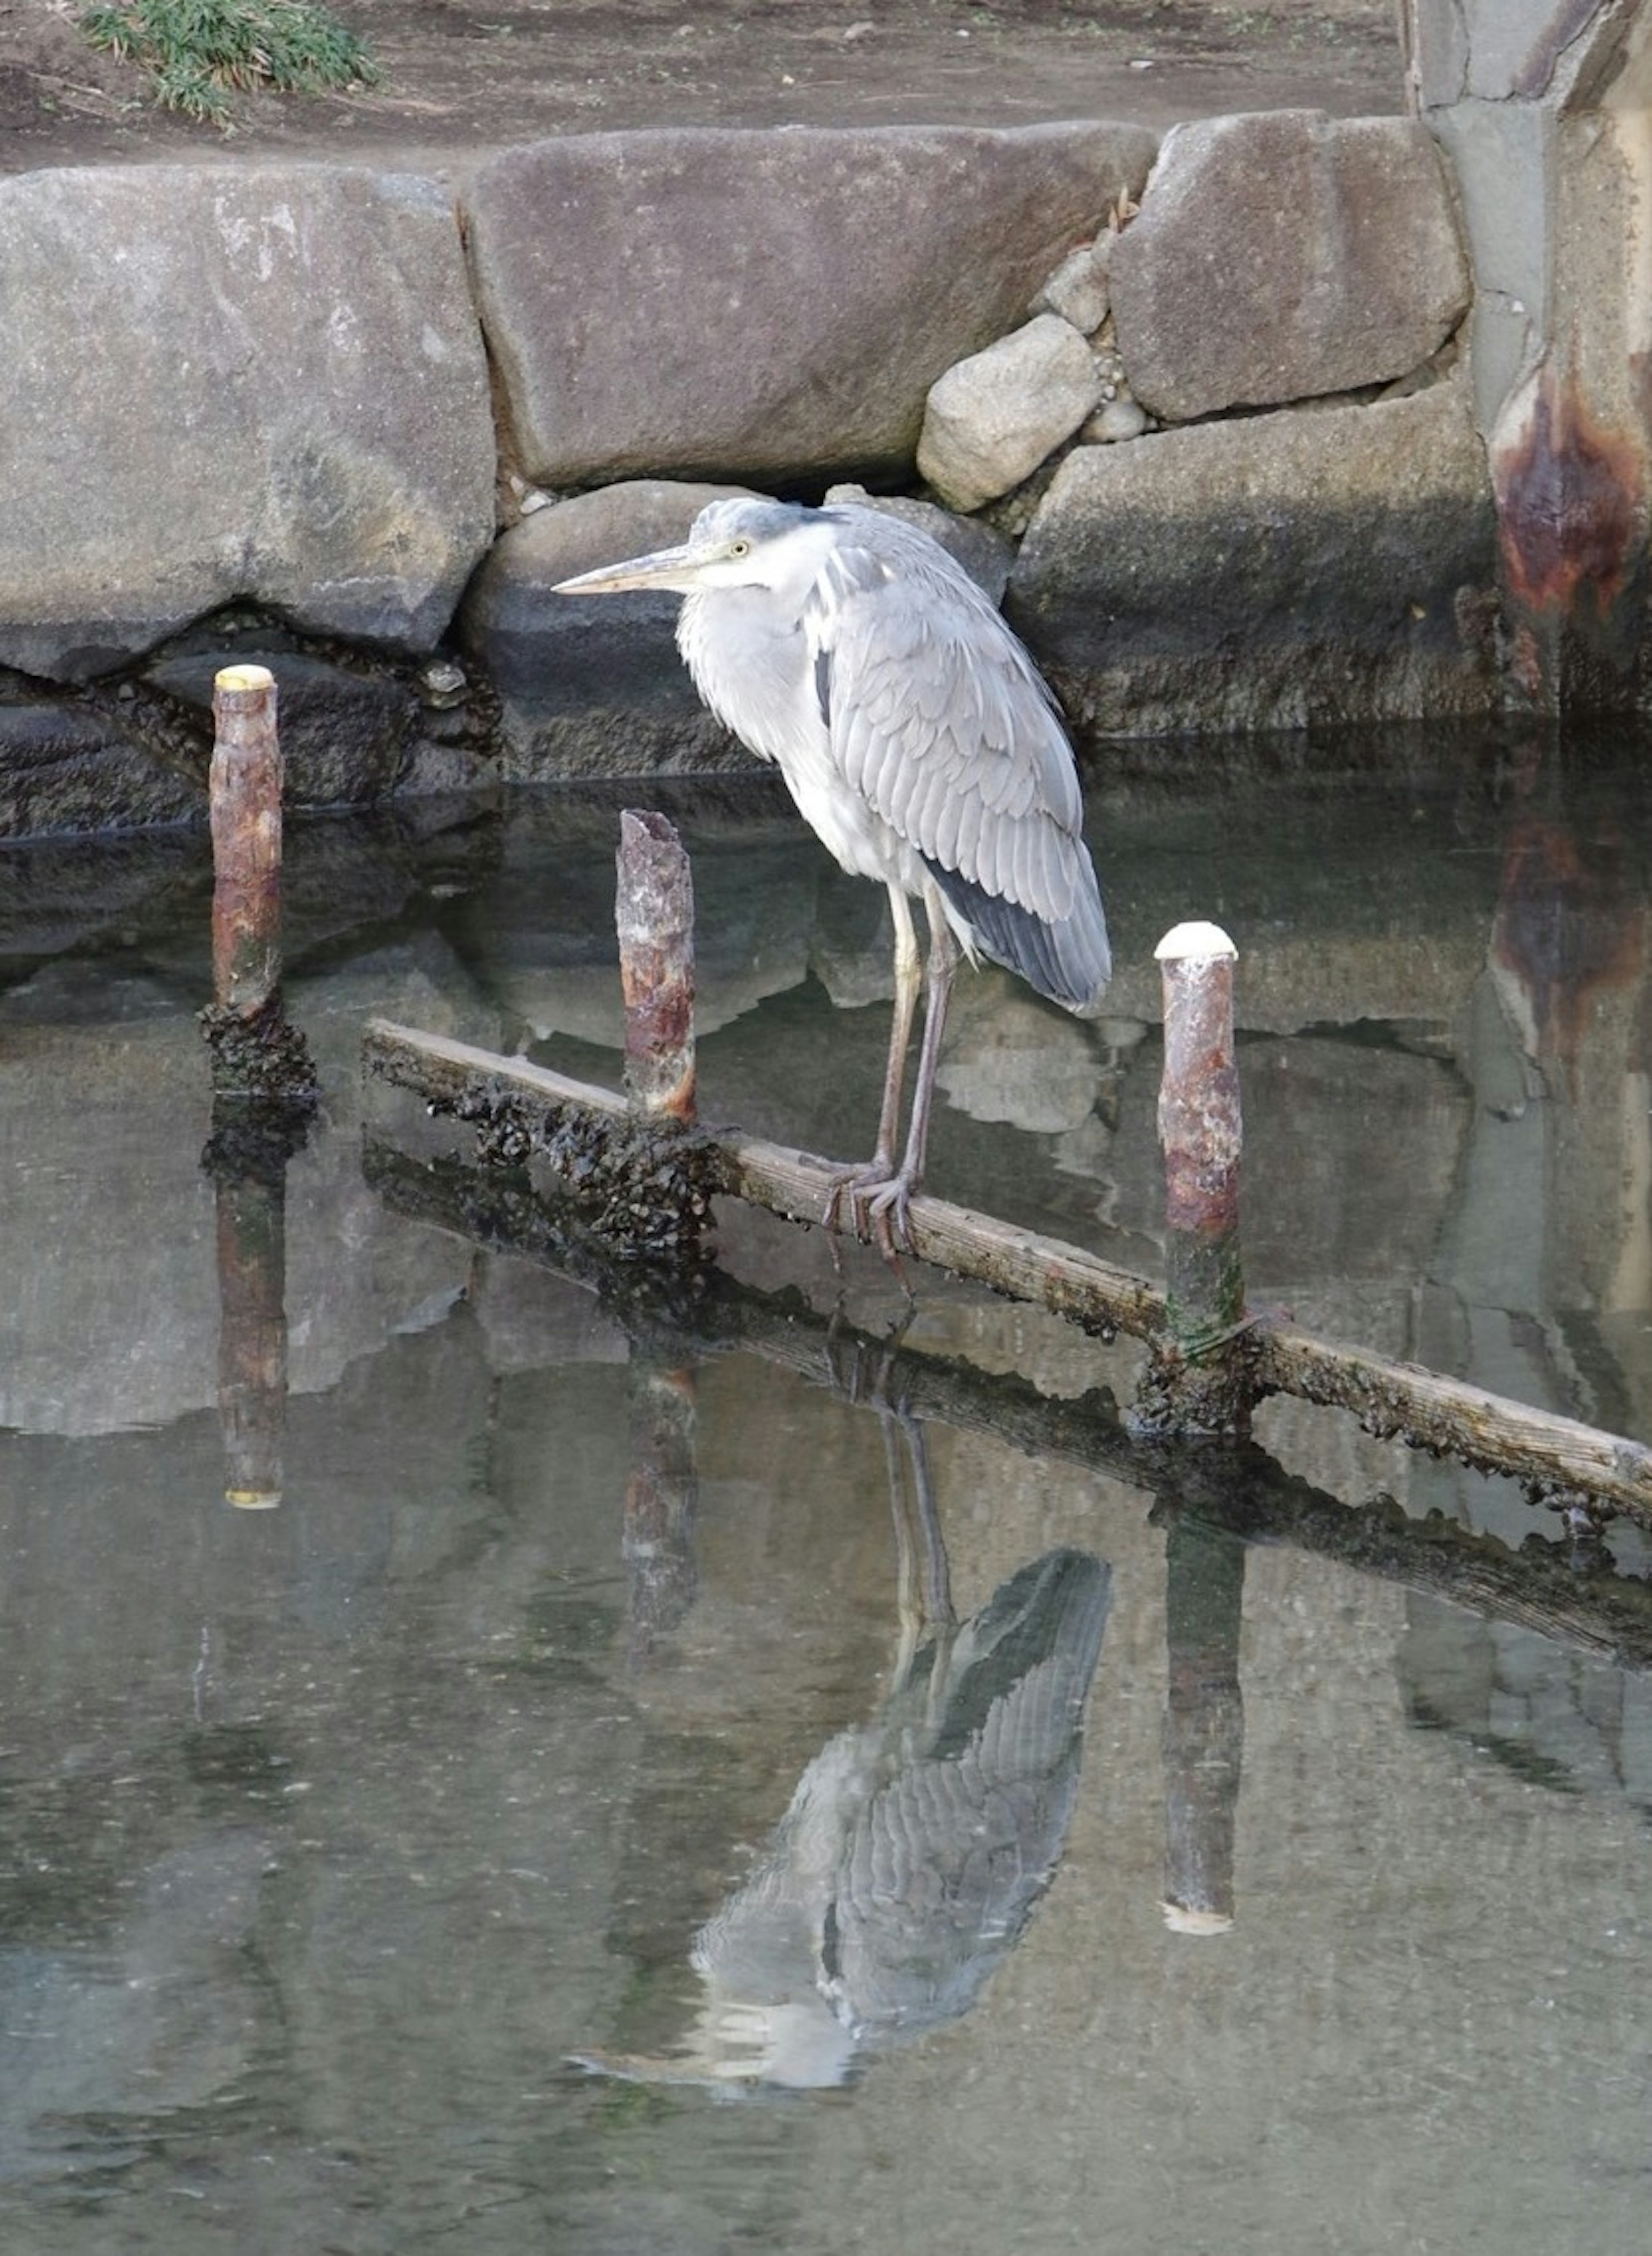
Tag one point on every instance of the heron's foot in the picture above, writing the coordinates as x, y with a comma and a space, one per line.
877, 1198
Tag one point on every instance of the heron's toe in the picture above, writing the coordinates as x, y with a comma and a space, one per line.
847, 1201
874, 1201
889, 1206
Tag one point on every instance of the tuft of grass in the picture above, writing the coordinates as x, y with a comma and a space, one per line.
199, 53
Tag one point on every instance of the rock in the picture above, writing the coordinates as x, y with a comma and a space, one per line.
765, 305
1077, 290
984, 554
1113, 421
1315, 565
1283, 255
62, 770
346, 738
1115, 384
264, 382
442, 771
592, 684
991, 420
443, 685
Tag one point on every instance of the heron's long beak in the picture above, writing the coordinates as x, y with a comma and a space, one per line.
668, 568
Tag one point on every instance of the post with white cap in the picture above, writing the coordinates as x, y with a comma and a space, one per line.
1198, 1382
259, 1057
246, 841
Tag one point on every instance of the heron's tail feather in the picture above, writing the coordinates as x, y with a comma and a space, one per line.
1069, 961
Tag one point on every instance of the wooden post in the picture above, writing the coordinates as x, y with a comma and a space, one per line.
245, 791
1201, 1132
1199, 1384
259, 1057
654, 914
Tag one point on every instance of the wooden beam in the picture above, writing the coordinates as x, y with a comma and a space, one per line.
1555, 1587
516, 1103
1556, 1457
476, 1084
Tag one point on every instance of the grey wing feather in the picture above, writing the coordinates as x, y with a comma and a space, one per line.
938, 722
942, 722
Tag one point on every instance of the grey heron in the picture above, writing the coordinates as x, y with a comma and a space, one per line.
919, 744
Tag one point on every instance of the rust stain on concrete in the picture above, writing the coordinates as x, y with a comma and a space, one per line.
1570, 493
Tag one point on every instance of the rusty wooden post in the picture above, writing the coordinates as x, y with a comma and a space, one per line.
654, 914
1204, 1732
259, 1057
1198, 1384
245, 789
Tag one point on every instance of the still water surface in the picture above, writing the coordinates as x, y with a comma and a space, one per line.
643, 1792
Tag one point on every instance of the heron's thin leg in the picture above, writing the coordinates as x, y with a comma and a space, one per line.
908, 969
888, 1204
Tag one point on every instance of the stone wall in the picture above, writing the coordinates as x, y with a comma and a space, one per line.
333, 419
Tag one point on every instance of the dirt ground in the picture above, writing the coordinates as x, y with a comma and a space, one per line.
464, 77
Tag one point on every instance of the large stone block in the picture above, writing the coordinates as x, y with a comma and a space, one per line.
1283, 255
1319, 564
592, 684
263, 382
765, 306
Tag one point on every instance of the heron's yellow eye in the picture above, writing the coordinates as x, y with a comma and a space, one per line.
741, 547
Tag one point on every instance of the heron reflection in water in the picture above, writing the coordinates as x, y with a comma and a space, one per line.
919, 743
917, 1844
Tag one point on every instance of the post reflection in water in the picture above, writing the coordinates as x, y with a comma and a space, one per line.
1204, 1736
662, 1500
247, 1156
916, 1845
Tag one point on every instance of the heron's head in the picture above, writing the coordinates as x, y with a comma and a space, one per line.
731, 544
